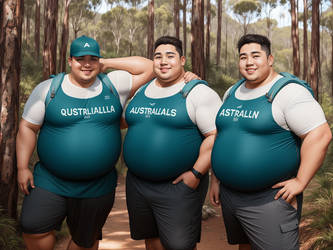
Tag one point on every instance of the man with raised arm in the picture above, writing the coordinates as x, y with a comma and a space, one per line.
78, 145
171, 130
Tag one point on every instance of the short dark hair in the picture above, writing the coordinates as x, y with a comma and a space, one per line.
255, 38
170, 40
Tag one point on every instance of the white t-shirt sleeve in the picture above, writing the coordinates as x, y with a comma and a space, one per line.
301, 112
122, 81
202, 104
34, 109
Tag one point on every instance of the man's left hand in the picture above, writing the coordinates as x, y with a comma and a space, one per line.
289, 189
189, 179
189, 76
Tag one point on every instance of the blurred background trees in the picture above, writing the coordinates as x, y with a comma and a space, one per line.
35, 38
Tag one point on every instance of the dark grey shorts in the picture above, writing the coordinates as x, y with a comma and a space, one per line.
169, 211
258, 219
43, 211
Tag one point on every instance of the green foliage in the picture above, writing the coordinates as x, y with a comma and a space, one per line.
9, 237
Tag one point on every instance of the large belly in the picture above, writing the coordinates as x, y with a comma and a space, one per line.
81, 151
160, 153
254, 162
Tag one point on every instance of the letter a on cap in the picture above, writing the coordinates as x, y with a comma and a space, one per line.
86, 45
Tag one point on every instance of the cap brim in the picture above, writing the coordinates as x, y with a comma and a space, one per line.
86, 53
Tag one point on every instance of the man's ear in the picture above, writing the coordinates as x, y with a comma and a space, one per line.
182, 60
270, 60
69, 60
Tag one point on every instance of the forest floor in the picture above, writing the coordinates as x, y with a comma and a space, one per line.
116, 235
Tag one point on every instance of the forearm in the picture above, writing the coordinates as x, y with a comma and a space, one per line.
135, 65
25, 145
203, 162
313, 151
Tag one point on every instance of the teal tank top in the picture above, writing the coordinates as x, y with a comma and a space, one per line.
161, 142
252, 152
79, 144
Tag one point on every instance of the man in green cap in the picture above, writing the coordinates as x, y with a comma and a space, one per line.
78, 145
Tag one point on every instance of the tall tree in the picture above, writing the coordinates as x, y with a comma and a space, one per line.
11, 15
50, 38
176, 17
268, 7
197, 38
327, 24
246, 11
207, 59
150, 32
315, 47
295, 38
305, 41
184, 26
115, 19
81, 14
219, 31
64, 38
37, 29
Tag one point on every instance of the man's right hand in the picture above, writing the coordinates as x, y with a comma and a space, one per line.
214, 192
25, 178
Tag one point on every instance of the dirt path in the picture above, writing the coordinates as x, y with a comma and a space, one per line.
116, 234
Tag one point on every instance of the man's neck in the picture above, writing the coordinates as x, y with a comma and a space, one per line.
268, 79
163, 84
80, 83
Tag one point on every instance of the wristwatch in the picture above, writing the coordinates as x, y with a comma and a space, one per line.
196, 173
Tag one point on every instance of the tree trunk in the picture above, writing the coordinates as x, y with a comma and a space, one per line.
64, 38
315, 47
184, 26
295, 38
50, 38
37, 29
197, 38
150, 33
226, 46
207, 59
332, 55
10, 65
305, 41
176, 17
27, 26
219, 31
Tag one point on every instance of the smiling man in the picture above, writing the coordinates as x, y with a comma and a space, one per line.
272, 138
171, 131
78, 145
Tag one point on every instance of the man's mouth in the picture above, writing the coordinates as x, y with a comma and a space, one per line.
250, 71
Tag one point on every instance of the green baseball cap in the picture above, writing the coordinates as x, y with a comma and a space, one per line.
83, 46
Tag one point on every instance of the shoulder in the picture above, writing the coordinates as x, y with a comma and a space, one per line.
203, 94
294, 91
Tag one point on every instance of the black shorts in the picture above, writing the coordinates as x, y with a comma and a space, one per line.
169, 211
257, 218
44, 211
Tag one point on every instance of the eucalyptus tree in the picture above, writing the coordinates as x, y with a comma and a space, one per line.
37, 29
50, 38
114, 19
176, 17
208, 20
246, 11
80, 13
295, 38
315, 48
64, 38
197, 38
219, 31
327, 24
11, 15
150, 30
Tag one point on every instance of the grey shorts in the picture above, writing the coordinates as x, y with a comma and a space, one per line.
258, 219
44, 211
169, 211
